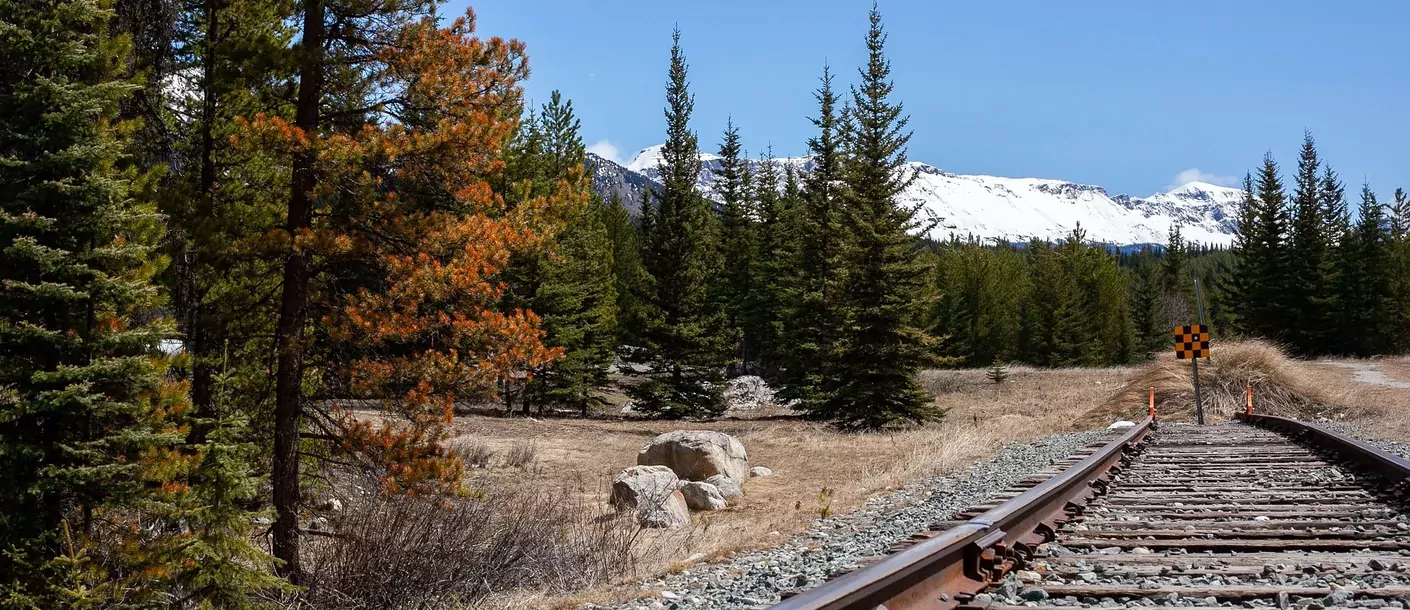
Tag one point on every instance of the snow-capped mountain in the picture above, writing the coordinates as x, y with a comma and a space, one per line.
991, 207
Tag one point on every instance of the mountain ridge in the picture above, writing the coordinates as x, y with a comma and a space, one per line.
994, 207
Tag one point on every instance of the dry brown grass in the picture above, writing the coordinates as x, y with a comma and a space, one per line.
817, 469
1280, 386
1377, 410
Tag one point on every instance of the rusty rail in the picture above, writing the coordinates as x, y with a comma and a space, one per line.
1394, 469
968, 557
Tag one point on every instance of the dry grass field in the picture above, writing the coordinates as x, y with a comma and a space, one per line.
817, 469
820, 471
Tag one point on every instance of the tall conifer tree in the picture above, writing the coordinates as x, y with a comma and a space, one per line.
687, 340
88, 420
1261, 254
737, 237
1307, 300
812, 324
884, 279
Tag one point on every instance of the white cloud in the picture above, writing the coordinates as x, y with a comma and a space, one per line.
1194, 174
606, 150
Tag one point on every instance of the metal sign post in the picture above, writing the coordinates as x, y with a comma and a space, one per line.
1192, 341
1194, 362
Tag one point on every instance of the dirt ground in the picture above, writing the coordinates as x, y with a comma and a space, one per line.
817, 470
1375, 393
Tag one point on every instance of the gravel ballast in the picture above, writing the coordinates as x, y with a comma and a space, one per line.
837, 544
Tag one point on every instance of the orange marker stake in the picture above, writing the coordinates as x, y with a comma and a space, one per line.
1152, 403
1248, 400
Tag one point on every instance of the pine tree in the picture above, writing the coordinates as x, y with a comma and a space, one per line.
1147, 311
884, 278
737, 238
220, 566
811, 317
1177, 291
774, 266
571, 288
1366, 290
1307, 300
402, 232
687, 340
627, 272
88, 420
577, 301
1261, 254
1399, 246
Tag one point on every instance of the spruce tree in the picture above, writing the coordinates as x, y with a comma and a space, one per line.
1261, 255
811, 320
737, 236
1177, 291
1398, 239
884, 277
1365, 282
577, 301
775, 265
88, 420
1307, 300
571, 288
687, 340
627, 272
1147, 313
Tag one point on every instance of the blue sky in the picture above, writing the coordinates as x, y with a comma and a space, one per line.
1132, 96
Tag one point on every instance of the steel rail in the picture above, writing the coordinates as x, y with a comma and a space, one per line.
1394, 469
968, 557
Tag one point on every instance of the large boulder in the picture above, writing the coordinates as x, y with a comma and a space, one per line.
651, 491
696, 455
730, 489
702, 496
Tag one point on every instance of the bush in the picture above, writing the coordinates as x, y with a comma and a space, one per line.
1279, 388
391, 553
522, 455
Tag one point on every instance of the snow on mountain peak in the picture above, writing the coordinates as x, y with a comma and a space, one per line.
1020, 209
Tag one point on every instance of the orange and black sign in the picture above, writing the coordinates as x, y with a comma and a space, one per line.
1192, 341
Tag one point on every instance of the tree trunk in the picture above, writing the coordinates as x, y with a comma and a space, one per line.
198, 325
288, 407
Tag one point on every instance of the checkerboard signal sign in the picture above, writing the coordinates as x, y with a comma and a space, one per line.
1192, 341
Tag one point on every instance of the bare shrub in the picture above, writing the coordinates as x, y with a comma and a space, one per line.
1280, 387
392, 553
522, 454
474, 453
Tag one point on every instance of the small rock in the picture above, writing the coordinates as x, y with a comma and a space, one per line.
1121, 425
1377, 565
760, 472
1338, 597
669, 595
1261, 518
1034, 594
1028, 576
1282, 599
1140, 550
729, 487
1111, 550
702, 496
1088, 577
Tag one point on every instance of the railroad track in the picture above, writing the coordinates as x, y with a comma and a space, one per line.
1266, 513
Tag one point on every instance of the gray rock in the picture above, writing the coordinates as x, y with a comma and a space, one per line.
1034, 594
731, 489
651, 492
702, 496
761, 472
696, 455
